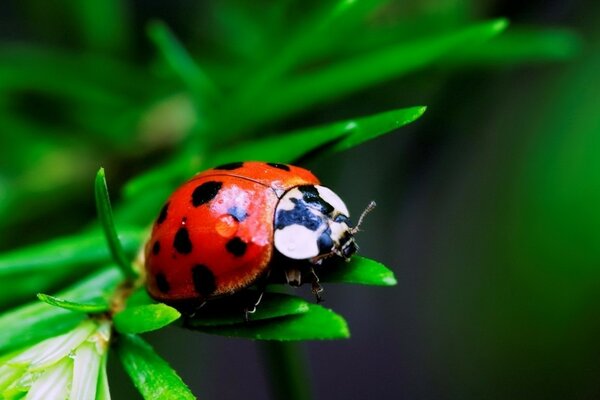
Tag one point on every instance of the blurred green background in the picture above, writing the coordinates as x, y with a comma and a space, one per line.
488, 205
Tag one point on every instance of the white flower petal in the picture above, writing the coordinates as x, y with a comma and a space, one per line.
85, 372
103, 391
53, 383
64, 347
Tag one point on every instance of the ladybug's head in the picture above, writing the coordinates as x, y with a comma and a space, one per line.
313, 223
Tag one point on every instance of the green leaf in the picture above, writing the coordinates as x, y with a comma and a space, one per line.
103, 391
520, 45
99, 306
272, 305
339, 135
145, 318
317, 324
360, 270
106, 218
37, 321
181, 62
41, 267
306, 41
63, 255
151, 375
361, 72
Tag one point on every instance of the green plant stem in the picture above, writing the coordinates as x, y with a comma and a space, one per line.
286, 370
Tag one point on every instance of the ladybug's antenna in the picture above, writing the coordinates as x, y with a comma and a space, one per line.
367, 210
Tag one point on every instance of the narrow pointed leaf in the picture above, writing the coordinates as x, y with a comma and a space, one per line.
520, 45
108, 224
181, 62
66, 254
340, 135
306, 41
151, 375
36, 321
317, 324
364, 71
360, 270
272, 305
145, 318
102, 388
99, 306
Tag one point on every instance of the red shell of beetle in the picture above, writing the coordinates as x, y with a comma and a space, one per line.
214, 236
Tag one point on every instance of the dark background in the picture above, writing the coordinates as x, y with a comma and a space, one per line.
488, 212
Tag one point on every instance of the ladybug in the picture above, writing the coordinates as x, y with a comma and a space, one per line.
228, 227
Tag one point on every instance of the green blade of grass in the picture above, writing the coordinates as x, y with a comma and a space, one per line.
99, 306
106, 219
341, 135
37, 321
65, 254
360, 270
317, 323
298, 49
361, 72
272, 305
520, 45
103, 391
151, 375
145, 318
45, 266
182, 63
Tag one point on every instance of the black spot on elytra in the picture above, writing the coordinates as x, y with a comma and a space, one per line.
238, 213
230, 166
204, 280
156, 248
161, 282
163, 214
182, 242
310, 194
236, 246
205, 192
279, 166
299, 215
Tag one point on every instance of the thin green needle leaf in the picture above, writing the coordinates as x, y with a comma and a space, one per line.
65, 252
181, 62
520, 45
37, 321
108, 224
151, 375
359, 73
360, 270
99, 306
317, 324
272, 305
145, 318
64, 255
298, 48
341, 135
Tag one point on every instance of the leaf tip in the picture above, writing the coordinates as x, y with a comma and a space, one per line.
390, 280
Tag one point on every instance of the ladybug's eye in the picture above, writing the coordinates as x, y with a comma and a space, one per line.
349, 249
342, 218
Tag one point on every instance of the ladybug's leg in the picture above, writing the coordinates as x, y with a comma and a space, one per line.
252, 308
316, 286
262, 286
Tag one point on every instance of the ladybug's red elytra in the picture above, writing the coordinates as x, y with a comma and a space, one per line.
222, 230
